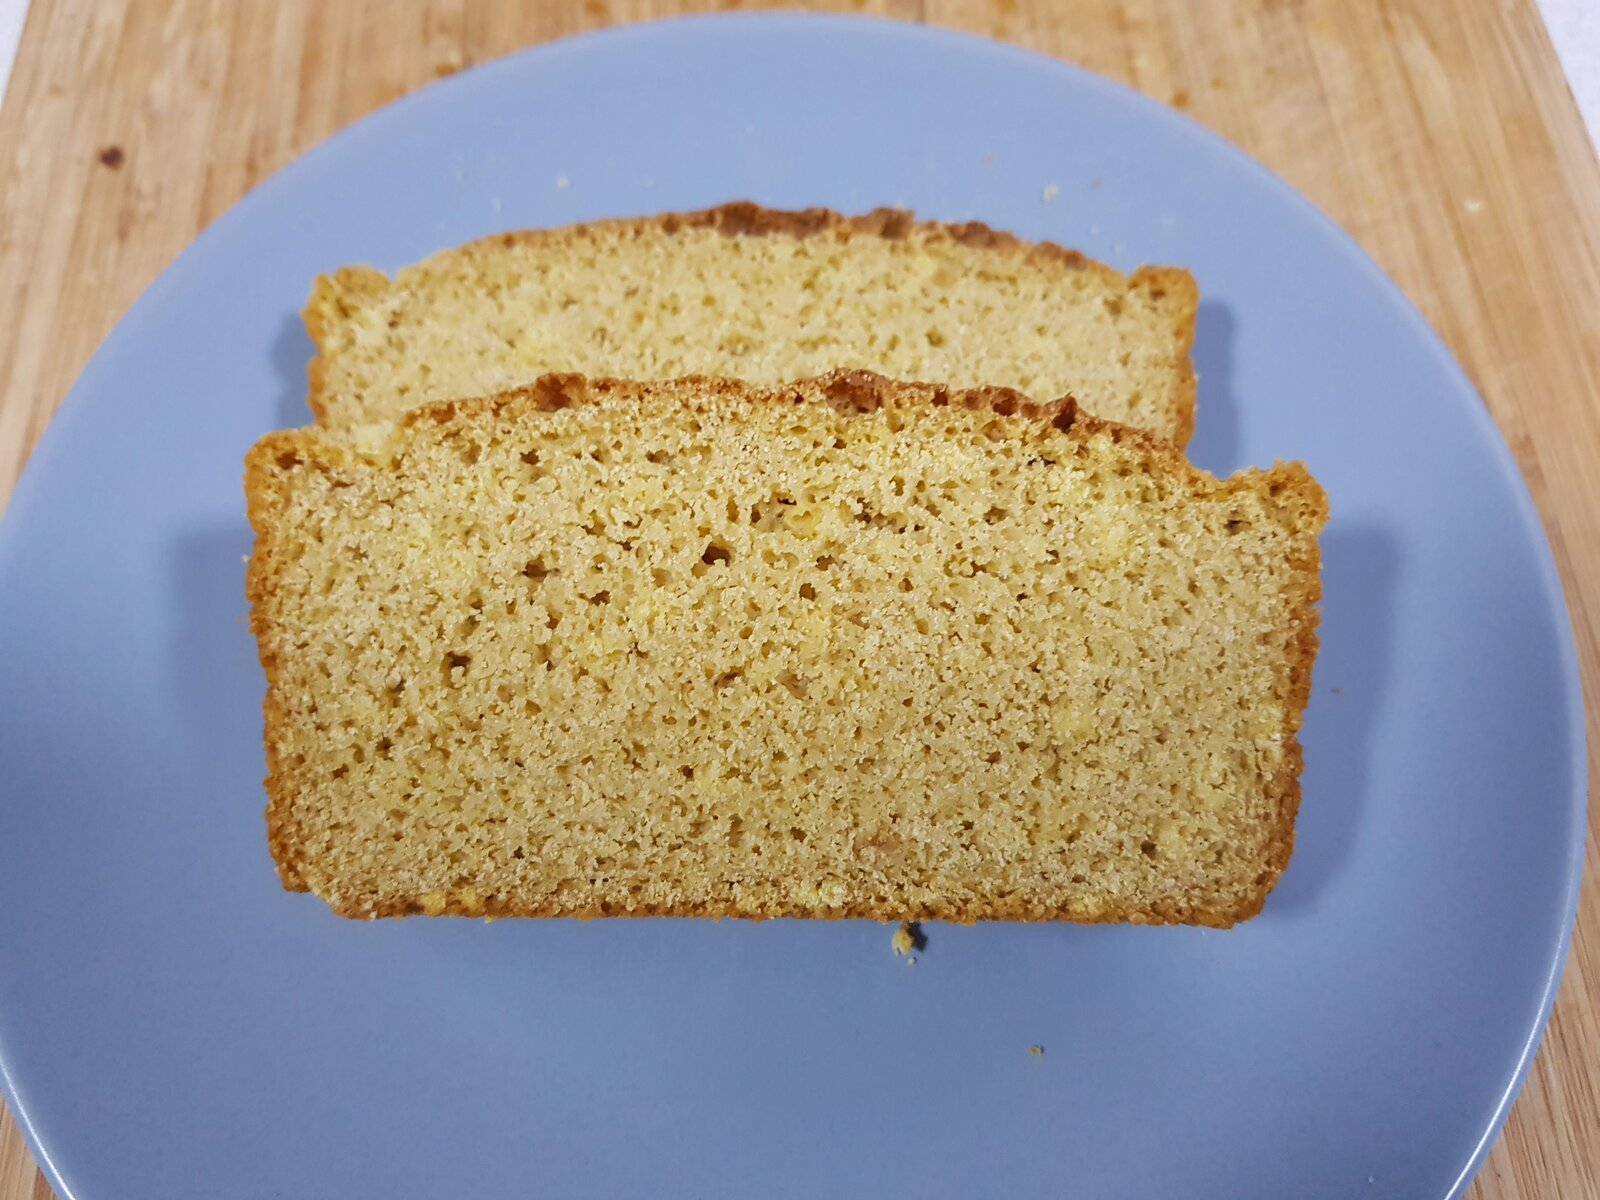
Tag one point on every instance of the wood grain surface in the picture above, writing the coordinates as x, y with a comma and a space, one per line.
1441, 135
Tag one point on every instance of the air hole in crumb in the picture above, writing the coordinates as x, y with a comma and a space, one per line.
807, 592
716, 552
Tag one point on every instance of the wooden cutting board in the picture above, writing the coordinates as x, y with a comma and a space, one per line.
1441, 135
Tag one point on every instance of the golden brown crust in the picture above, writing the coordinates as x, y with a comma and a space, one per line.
1160, 283
264, 504
1295, 499
1306, 505
332, 295
1002, 910
741, 218
846, 391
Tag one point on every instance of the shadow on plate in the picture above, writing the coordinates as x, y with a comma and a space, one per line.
1215, 445
1360, 570
292, 352
214, 678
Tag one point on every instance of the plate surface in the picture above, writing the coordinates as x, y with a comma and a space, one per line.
174, 1025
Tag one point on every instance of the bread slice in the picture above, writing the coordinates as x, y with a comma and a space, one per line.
762, 296
843, 648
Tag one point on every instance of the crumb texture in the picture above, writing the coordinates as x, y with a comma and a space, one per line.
762, 296
846, 648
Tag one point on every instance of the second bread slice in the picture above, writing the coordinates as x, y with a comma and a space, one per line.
763, 296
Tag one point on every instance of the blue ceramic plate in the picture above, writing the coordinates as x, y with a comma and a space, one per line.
173, 1025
